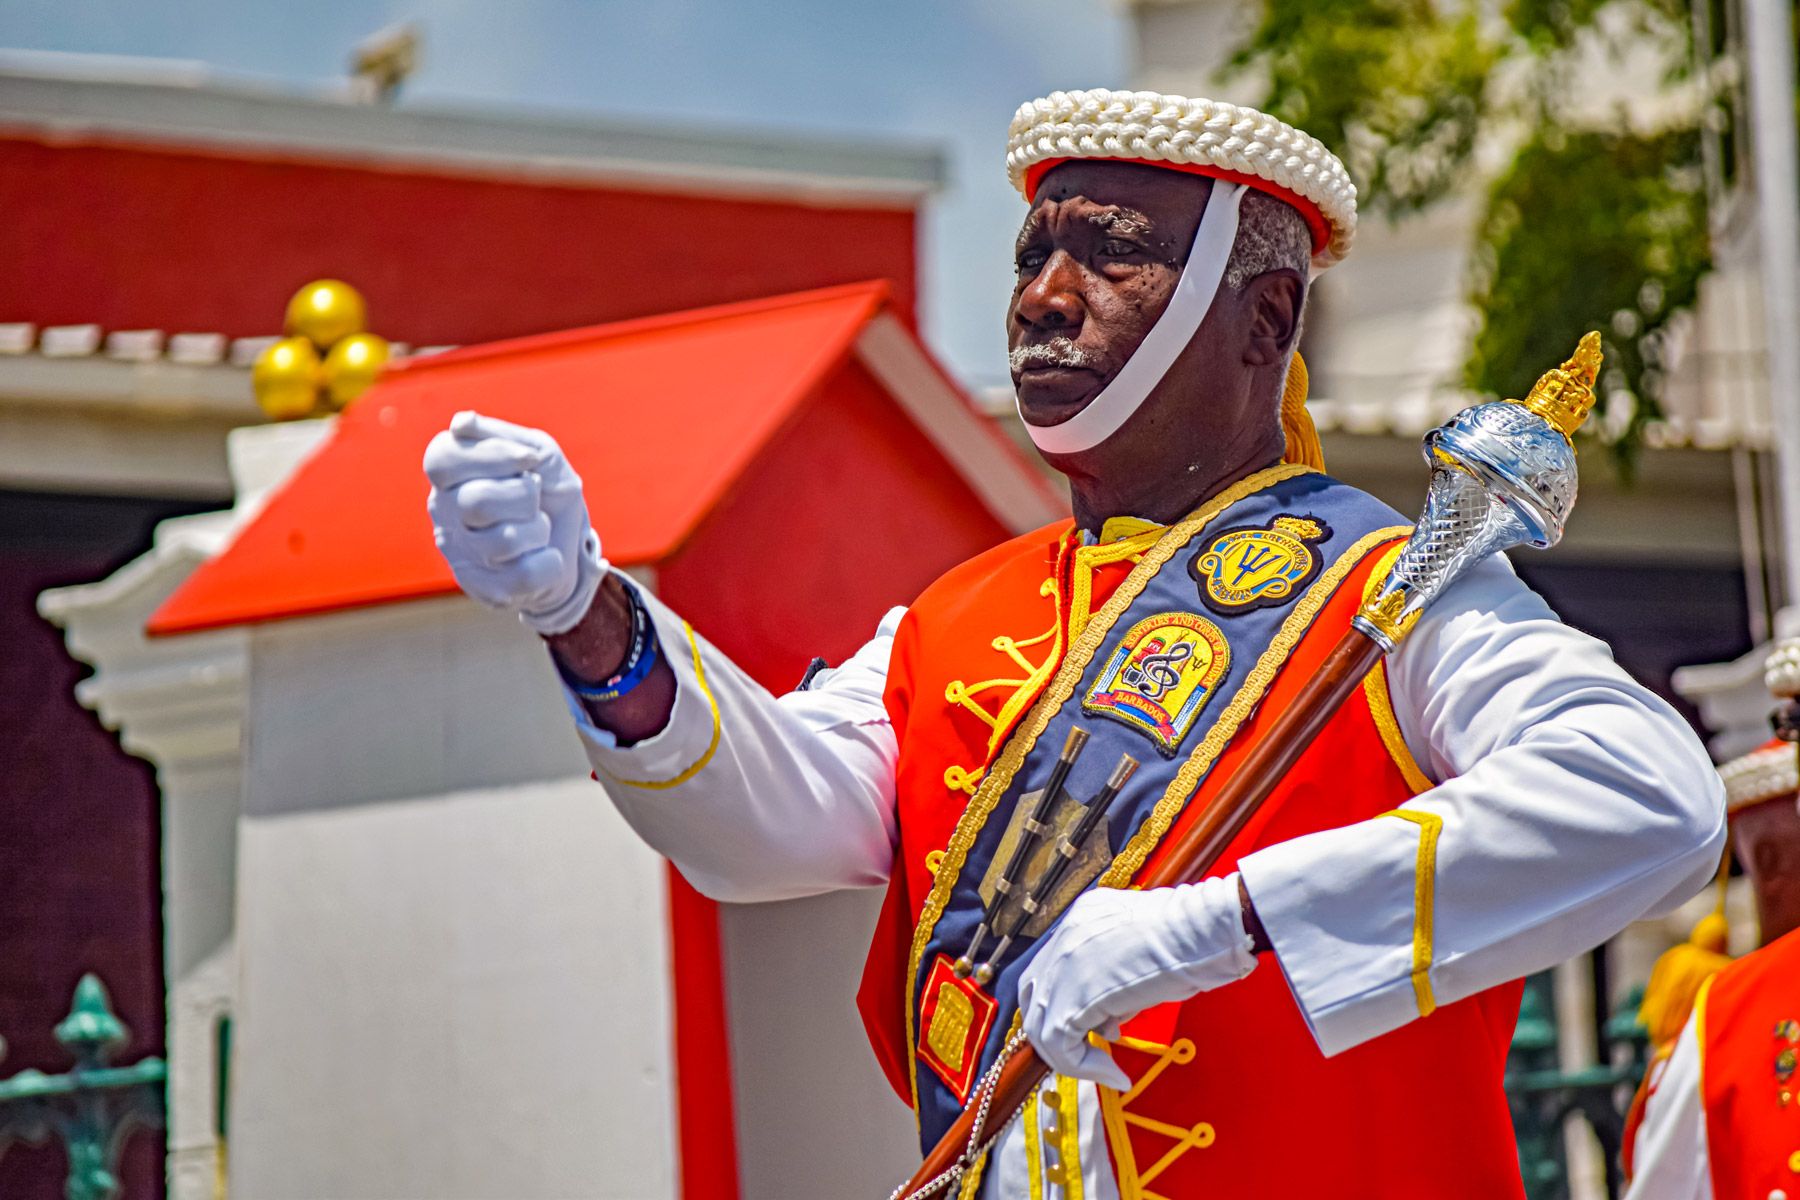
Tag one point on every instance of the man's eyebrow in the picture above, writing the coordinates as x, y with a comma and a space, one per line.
1033, 220
1125, 221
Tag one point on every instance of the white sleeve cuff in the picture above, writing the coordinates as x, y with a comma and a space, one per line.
1346, 945
692, 727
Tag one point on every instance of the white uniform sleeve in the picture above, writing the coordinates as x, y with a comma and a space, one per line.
1576, 802
1671, 1159
755, 797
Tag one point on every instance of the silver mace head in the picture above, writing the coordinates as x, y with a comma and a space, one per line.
1502, 475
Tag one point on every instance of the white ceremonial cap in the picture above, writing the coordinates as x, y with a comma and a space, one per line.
1769, 772
1201, 137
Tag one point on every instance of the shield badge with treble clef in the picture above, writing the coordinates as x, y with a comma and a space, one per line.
1161, 675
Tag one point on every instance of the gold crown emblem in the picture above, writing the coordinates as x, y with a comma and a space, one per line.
1564, 395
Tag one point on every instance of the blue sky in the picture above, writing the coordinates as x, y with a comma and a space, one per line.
946, 71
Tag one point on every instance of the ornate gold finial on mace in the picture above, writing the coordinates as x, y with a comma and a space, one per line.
1563, 396
1502, 475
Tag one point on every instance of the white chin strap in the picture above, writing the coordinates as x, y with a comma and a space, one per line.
1193, 298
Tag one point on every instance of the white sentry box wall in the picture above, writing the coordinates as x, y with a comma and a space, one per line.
453, 954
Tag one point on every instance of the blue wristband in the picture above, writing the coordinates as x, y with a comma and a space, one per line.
636, 668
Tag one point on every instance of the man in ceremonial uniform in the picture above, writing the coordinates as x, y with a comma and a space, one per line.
1721, 1115
1329, 1013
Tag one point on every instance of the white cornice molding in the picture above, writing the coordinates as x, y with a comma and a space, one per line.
1732, 699
177, 701
157, 388
207, 111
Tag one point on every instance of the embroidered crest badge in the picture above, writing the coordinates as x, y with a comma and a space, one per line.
955, 1016
1161, 675
1259, 566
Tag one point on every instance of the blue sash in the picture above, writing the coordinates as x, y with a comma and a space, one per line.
1166, 671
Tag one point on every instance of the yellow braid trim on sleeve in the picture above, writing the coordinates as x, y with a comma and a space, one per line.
712, 747
1381, 702
1424, 898
1297, 429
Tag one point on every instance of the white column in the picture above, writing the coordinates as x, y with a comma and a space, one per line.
180, 703
1768, 43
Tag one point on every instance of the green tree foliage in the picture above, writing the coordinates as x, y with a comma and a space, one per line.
1590, 222
1588, 230
1395, 88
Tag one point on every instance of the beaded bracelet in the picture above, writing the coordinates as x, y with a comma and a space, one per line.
637, 665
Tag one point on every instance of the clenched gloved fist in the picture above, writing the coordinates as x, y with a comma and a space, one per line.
507, 512
1116, 953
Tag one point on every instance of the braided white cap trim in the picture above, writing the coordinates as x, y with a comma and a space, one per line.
1762, 774
1781, 670
1149, 125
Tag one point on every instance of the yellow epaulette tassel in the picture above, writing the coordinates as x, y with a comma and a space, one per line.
1676, 979
1302, 437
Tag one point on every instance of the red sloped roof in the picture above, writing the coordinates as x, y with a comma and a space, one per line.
688, 400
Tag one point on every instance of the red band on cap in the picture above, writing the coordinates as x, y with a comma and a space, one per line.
1315, 219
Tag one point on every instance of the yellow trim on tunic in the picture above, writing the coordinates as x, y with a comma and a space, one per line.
1387, 723
1424, 900
1061, 686
1089, 559
971, 1180
1118, 1140
1133, 1183
1069, 1124
711, 748
1034, 1155
1381, 703
1035, 678
1116, 529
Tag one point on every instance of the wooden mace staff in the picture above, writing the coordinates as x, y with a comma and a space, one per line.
1502, 475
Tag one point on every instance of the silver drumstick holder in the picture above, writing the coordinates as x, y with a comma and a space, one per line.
1502, 475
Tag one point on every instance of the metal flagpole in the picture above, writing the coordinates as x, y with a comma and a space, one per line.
1769, 46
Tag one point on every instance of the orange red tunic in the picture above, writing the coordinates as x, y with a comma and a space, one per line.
1232, 1095
1748, 1022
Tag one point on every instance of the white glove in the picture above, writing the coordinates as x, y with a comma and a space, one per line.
507, 513
1116, 953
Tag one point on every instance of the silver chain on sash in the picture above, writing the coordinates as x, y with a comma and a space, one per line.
978, 1145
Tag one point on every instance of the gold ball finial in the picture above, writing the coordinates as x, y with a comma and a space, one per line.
1564, 395
325, 311
286, 379
352, 366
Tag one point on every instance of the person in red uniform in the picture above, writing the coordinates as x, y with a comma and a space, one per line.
1330, 1012
1721, 1117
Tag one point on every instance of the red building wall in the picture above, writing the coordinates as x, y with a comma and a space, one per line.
136, 237
145, 238
850, 511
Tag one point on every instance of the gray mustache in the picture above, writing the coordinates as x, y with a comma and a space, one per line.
1057, 352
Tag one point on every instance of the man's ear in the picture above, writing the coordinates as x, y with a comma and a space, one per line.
1276, 298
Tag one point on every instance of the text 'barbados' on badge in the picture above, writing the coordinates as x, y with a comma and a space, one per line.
1161, 675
